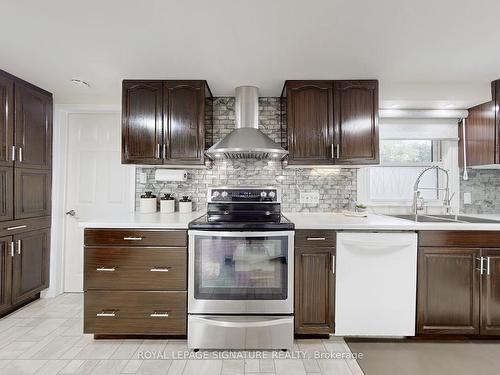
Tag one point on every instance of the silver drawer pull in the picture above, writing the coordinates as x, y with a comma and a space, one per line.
132, 238
160, 269
17, 227
159, 314
106, 269
110, 314
316, 238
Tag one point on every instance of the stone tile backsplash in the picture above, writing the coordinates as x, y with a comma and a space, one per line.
484, 186
335, 186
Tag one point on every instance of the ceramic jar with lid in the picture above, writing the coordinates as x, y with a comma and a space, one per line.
147, 203
167, 204
185, 204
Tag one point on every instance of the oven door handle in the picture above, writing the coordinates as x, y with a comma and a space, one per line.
230, 324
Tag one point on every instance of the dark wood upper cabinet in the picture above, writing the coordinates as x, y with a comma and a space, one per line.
490, 292
142, 122
31, 264
32, 193
356, 122
6, 120
6, 193
331, 122
33, 127
5, 272
163, 122
448, 291
309, 119
184, 124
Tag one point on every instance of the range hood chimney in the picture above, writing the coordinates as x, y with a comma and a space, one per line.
246, 141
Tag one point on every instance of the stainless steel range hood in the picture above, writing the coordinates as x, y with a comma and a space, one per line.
246, 141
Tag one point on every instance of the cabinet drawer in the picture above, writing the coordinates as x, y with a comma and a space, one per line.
314, 238
135, 268
9, 228
130, 237
154, 313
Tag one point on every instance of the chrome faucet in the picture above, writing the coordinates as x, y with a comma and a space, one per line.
418, 200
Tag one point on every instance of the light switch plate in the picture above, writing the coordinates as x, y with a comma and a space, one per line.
309, 197
467, 198
143, 178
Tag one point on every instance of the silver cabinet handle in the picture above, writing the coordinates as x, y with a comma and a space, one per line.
333, 154
316, 238
132, 238
158, 151
488, 266
12, 249
481, 269
333, 264
159, 314
337, 151
164, 150
13, 153
160, 269
17, 227
19, 244
106, 269
20, 154
110, 314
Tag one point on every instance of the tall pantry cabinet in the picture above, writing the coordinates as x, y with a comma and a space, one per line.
25, 191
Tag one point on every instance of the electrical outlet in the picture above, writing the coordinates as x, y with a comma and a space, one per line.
143, 178
310, 197
467, 198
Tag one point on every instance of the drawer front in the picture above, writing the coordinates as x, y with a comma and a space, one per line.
153, 313
8, 228
131, 237
315, 238
135, 268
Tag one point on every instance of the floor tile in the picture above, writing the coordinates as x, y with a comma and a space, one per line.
154, 367
233, 367
22, 366
289, 367
52, 367
205, 367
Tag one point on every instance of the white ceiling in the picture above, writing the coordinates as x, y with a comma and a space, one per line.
426, 53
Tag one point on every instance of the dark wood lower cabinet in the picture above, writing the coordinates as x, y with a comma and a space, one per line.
33, 193
490, 293
5, 272
314, 282
6, 193
448, 291
31, 264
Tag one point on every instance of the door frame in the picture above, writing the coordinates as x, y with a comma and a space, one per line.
59, 176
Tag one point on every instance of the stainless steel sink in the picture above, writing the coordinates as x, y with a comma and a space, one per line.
446, 219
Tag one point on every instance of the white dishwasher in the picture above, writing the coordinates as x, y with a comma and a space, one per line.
375, 284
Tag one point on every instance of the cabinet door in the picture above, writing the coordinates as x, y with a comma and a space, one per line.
32, 193
6, 193
448, 291
356, 122
6, 256
6, 120
142, 122
310, 122
33, 127
490, 293
314, 290
31, 264
184, 132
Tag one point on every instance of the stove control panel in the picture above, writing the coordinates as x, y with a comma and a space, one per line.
244, 194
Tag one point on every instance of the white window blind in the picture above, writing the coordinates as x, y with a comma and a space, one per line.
406, 128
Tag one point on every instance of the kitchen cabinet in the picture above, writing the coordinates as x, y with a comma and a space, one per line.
163, 122
314, 282
32, 193
331, 122
6, 193
6, 254
356, 122
6, 120
135, 282
458, 283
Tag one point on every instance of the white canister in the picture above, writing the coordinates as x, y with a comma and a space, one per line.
147, 203
185, 204
167, 204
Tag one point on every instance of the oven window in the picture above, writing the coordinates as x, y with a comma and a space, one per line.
241, 268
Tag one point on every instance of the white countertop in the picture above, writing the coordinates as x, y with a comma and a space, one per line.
302, 220
174, 220
310, 220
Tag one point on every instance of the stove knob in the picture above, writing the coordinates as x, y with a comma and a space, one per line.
272, 194
224, 194
215, 194
263, 194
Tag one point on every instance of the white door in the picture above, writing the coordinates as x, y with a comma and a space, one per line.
97, 184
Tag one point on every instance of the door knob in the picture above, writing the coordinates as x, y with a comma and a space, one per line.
71, 213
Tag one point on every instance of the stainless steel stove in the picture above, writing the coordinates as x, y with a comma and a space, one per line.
240, 289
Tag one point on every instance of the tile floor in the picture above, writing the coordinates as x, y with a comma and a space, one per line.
46, 337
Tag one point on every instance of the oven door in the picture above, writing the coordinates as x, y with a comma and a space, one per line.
240, 272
